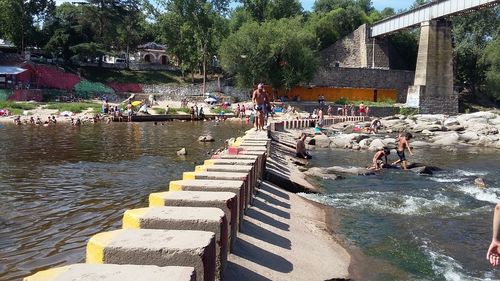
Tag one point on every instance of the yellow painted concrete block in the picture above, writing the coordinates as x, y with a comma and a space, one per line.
132, 218
47, 275
156, 199
96, 245
189, 175
200, 168
175, 186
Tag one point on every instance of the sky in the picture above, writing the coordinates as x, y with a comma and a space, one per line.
307, 4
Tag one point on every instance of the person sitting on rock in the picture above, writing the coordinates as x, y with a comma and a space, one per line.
378, 164
301, 151
402, 144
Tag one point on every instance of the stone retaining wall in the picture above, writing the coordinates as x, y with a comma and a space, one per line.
176, 92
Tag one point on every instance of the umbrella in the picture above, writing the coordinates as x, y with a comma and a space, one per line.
136, 103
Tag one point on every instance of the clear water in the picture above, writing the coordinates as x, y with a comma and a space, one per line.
60, 185
416, 227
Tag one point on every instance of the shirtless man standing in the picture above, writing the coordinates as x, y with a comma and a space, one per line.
259, 100
402, 142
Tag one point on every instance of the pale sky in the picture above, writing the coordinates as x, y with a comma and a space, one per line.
307, 4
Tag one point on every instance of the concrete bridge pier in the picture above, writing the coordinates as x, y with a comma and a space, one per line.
432, 91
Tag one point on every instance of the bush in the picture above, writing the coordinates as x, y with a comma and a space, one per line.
218, 110
408, 111
159, 110
342, 101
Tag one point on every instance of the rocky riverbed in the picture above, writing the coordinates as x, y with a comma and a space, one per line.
476, 129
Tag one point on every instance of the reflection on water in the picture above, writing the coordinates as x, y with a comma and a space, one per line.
429, 227
60, 185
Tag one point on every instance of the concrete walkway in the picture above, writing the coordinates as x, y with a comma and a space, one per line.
284, 237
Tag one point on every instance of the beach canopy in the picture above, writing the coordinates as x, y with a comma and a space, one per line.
210, 100
136, 103
11, 70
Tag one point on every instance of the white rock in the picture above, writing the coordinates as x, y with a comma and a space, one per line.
376, 144
427, 133
364, 144
469, 136
322, 141
447, 139
452, 121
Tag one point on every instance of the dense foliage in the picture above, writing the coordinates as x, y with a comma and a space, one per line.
270, 41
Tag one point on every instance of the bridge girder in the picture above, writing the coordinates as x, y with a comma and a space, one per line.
432, 11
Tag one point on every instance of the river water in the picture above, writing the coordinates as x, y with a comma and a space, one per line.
415, 227
60, 185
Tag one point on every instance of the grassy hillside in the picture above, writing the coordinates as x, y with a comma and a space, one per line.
105, 75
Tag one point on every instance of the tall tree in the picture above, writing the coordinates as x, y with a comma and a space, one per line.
198, 23
278, 52
21, 19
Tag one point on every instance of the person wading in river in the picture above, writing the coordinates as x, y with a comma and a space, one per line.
402, 142
259, 100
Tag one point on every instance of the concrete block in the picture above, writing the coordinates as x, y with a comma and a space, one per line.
114, 272
237, 187
184, 218
226, 201
258, 158
156, 247
203, 175
246, 162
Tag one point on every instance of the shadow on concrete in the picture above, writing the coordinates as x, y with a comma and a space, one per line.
271, 188
260, 256
254, 214
251, 229
272, 200
237, 272
270, 209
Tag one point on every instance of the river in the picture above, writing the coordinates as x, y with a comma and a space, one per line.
415, 227
60, 185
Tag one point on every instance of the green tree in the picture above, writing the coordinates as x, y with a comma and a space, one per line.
192, 29
279, 52
20, 20
336, 24
471, 35
491, 59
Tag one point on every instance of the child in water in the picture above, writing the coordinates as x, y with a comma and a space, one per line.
402, 144
378, 164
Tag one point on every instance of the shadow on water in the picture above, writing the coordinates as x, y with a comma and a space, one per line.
60, 185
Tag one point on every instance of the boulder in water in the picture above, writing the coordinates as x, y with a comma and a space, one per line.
207, 138
353, 171
479, 182
182, 151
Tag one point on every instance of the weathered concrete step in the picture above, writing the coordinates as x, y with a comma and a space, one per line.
226, 201
184, 218
114, 272
260, 167
236, 186
156, 247
203, 175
